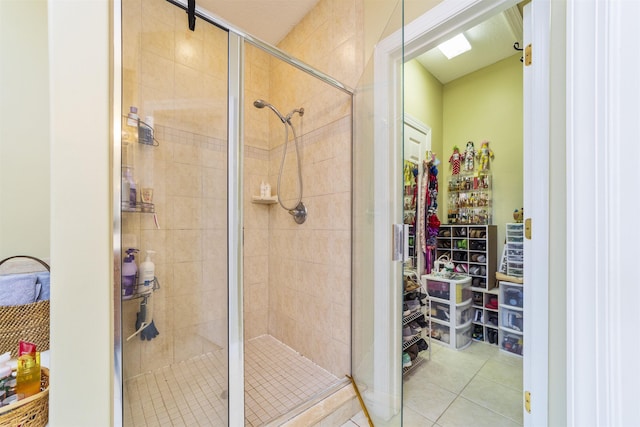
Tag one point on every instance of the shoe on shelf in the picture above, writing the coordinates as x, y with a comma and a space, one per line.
415, 326
421, 321
407, 334
405, 310
422, 345
492, 304
412, 351
406, 360
410, 284
413, 305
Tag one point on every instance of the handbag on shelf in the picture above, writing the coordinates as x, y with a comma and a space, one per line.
443, 266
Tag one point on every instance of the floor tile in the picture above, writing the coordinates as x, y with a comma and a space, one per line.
425, 398
496, 397
503, 373
464, 413
450, 376
277, 379
455, 387
411, 418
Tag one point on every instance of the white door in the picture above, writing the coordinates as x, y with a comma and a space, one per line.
417, 140
417, 143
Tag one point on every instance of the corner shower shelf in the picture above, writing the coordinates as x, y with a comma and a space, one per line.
138, 207
264, 200
136, 295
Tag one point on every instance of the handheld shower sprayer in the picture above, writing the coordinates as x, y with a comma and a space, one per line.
261, 103
299, 211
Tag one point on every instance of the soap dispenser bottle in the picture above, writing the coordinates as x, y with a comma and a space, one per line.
147, 274
129, 270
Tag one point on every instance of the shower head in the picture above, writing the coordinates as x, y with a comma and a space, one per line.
260, 103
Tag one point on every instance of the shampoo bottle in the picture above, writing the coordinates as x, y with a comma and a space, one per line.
129, 270
147, 274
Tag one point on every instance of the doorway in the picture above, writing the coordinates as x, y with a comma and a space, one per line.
426, 32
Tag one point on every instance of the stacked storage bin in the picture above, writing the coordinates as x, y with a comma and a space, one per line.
515, 249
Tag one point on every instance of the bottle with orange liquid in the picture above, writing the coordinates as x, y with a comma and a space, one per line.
28, 371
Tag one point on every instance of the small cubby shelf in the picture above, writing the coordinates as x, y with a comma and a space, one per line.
264, 200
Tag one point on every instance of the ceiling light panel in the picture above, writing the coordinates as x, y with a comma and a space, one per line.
454, 46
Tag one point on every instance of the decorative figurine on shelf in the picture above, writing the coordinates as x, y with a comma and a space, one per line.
408, 173
485, 155
469, 155
455, 161
518, 214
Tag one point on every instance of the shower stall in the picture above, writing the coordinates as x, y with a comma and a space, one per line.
252, 294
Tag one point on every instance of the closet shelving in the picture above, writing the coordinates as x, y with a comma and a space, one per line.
472, 248
470, 198
423, 311
486, 315
473, 251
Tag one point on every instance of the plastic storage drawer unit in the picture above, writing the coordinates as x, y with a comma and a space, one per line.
463, 337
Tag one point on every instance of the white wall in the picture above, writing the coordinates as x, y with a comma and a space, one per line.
81, 235
24, 129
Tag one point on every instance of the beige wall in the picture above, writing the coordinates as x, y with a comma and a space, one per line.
82, 302
487, 105
310, 264
24, 129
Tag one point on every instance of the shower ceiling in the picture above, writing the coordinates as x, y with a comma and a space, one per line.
268, 20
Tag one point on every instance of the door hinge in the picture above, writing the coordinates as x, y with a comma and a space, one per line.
527, 228
527, 55
527, 401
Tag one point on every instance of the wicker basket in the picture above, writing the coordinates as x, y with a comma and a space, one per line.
28, 322
32, 411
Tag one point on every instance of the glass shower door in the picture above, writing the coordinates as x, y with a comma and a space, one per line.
377, 188
174, 333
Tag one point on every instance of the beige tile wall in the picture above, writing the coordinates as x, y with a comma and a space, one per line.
310, 264
297, 277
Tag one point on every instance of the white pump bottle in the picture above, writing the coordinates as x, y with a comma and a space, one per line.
146, 274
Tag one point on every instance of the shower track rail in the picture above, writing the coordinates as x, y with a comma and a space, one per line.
224, 25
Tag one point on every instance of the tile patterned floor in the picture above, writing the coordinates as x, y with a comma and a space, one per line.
193, 393
478, 386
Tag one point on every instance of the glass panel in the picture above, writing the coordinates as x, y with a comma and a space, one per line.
377, 182
297, 276
174, 181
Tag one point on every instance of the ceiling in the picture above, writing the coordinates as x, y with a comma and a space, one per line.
491, 41
268, 20
271, 20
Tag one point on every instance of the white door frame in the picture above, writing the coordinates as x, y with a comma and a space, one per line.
603, 103
435, 26
536, 174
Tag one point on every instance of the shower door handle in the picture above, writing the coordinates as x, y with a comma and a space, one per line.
400, 250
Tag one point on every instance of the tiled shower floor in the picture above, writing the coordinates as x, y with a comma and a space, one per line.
192, 393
